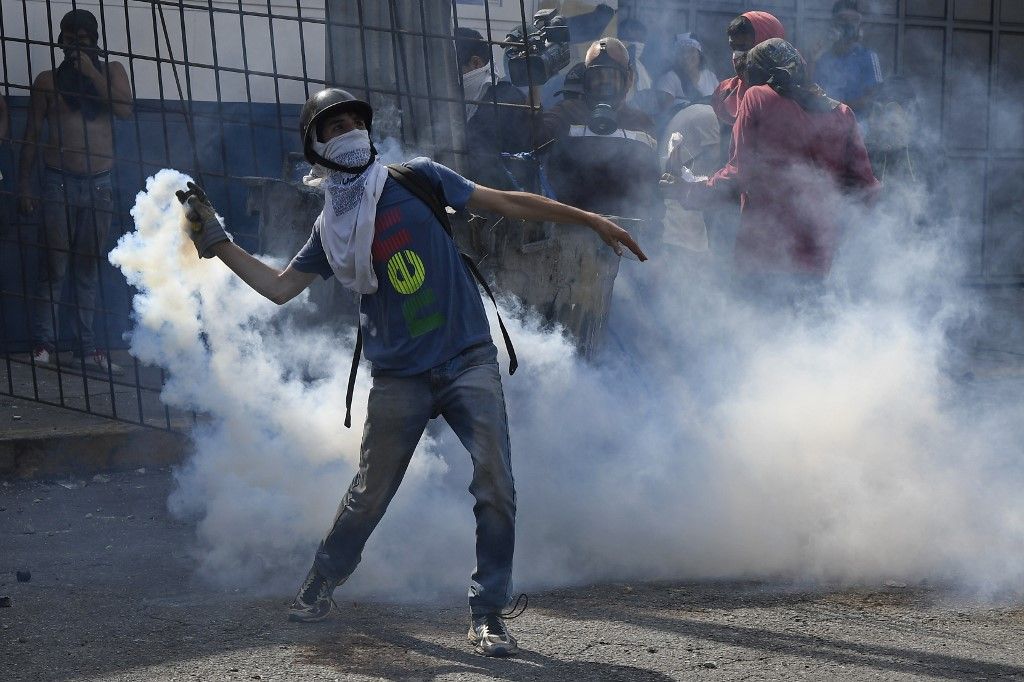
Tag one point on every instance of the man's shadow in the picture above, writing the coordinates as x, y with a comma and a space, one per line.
395, 655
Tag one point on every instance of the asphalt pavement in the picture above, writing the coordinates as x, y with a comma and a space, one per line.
111, 595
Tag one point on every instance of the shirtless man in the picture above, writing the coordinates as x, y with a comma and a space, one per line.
73, 103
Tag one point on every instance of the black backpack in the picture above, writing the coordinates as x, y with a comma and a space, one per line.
420, 187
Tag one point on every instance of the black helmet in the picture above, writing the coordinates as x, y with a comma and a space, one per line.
328, 101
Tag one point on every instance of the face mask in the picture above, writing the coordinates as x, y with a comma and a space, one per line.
739, 59
473, 85
350, 149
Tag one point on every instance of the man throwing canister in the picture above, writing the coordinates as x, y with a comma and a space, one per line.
381, 233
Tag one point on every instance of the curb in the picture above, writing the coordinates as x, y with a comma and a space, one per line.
92, 450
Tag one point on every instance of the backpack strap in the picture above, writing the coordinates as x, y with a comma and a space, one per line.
420, 187
356, 354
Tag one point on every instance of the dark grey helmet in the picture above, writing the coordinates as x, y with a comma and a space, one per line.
329, 101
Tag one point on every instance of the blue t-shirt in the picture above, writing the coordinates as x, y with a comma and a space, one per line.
427, 308
847, 77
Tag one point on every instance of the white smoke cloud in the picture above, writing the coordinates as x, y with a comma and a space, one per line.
712, 438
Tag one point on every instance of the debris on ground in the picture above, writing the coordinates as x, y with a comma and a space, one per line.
101, 478
71, 485
5, 602
895, 583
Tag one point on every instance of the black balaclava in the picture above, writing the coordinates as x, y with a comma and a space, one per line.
79, 92
779, 65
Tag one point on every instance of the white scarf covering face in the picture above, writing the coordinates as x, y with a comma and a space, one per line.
350, 209
473, 85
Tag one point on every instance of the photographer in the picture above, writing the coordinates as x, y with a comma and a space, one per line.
604, 154
608, 77
497, 116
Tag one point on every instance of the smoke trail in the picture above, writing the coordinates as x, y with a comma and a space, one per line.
715, 437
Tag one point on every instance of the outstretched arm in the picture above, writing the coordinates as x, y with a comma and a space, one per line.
527, 206
280, 286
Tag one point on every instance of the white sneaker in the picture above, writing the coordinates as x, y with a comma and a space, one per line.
99, 362
490, 636
40, 355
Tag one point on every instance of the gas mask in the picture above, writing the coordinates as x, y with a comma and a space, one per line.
605, 83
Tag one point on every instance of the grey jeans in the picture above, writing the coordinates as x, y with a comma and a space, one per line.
77, 211
467, 392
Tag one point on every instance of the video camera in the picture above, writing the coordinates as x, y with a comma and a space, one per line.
533, 60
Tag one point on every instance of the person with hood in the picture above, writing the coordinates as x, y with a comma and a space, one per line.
384, 233
745, 31
74, 105
797, 157
608, 76
603, 155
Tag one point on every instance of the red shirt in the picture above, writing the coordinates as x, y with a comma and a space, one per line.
793, 170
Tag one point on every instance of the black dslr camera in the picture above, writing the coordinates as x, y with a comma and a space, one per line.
544, 51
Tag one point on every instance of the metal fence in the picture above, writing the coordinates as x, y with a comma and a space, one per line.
216, 91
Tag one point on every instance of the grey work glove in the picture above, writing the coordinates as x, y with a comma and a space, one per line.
203, 227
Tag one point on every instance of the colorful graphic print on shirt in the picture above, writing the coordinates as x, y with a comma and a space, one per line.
405, 272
